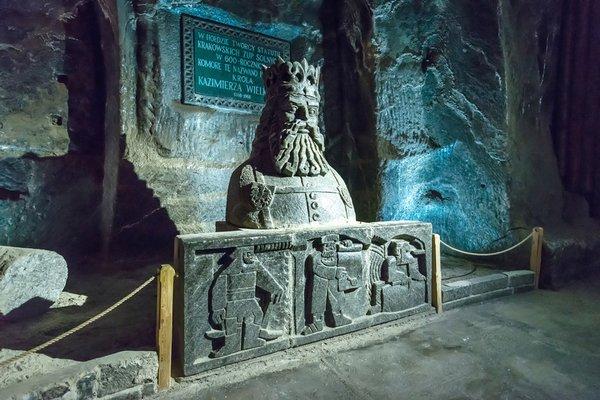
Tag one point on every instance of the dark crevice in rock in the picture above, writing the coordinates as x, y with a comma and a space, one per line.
430, 59
575, 122
85, 80
433, 195
350, 121
13, 195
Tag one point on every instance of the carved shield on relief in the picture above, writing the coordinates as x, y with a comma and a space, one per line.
353, 259
350, 258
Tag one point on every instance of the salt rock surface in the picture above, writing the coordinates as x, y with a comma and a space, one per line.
30, 280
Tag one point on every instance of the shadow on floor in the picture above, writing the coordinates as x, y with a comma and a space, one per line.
129, 327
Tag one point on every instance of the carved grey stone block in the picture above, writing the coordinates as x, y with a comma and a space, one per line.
455, 290
30, 280
488, 283
520, 278
245, 293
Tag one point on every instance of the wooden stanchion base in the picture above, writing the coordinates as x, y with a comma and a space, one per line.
164, 332
535, 261
436, 269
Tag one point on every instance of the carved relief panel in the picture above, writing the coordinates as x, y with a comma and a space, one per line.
243, 294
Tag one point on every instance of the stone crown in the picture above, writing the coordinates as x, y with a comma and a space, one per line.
287, 77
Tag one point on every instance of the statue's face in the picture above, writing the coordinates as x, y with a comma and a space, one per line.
329, 249
397, 247
303, 110
248, 257
295, 142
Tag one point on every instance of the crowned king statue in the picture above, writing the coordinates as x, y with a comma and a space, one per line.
287, 181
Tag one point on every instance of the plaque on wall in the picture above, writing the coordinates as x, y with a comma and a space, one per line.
222, 64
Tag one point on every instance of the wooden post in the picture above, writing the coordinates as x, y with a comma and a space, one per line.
535, 261
436, 269
164, 323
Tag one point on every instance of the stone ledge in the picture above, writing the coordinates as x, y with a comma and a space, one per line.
455, 290
520, 277
123, 375
488, 283
477, 298
519, 280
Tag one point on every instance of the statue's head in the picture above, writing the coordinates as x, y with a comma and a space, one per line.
327, 245
248, 256
398, 248
288, 134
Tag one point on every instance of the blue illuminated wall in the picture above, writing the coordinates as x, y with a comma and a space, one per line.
442, 134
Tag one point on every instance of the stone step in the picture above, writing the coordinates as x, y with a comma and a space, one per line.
124, 375
500, 283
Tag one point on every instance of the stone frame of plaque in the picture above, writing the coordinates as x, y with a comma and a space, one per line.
189, 95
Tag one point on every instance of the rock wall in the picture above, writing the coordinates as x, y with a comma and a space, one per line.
534, 101
433, 110
466, 98
530, 80
441, 124
50, 88
186, 154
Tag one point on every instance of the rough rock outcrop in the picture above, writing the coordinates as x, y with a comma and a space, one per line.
30, 280
441, 121
123, 375
51, 124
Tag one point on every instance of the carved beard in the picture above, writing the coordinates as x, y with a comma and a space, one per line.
296, 151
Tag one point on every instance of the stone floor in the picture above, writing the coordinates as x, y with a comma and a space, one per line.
101, 359
533, 345
88, 294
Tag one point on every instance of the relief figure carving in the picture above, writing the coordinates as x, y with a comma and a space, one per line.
391, 275
334, 270
236, 311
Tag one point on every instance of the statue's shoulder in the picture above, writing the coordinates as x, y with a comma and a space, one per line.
247, 174
243, 175
336, 176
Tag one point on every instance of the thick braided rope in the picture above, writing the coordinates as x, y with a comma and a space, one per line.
487, 254
78, 327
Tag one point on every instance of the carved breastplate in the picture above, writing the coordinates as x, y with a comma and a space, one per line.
266, 201
241, 286
305, 200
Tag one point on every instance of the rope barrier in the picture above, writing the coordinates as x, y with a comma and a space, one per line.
487, 254
77, 328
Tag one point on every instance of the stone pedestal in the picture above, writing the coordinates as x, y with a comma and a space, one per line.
246, 293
